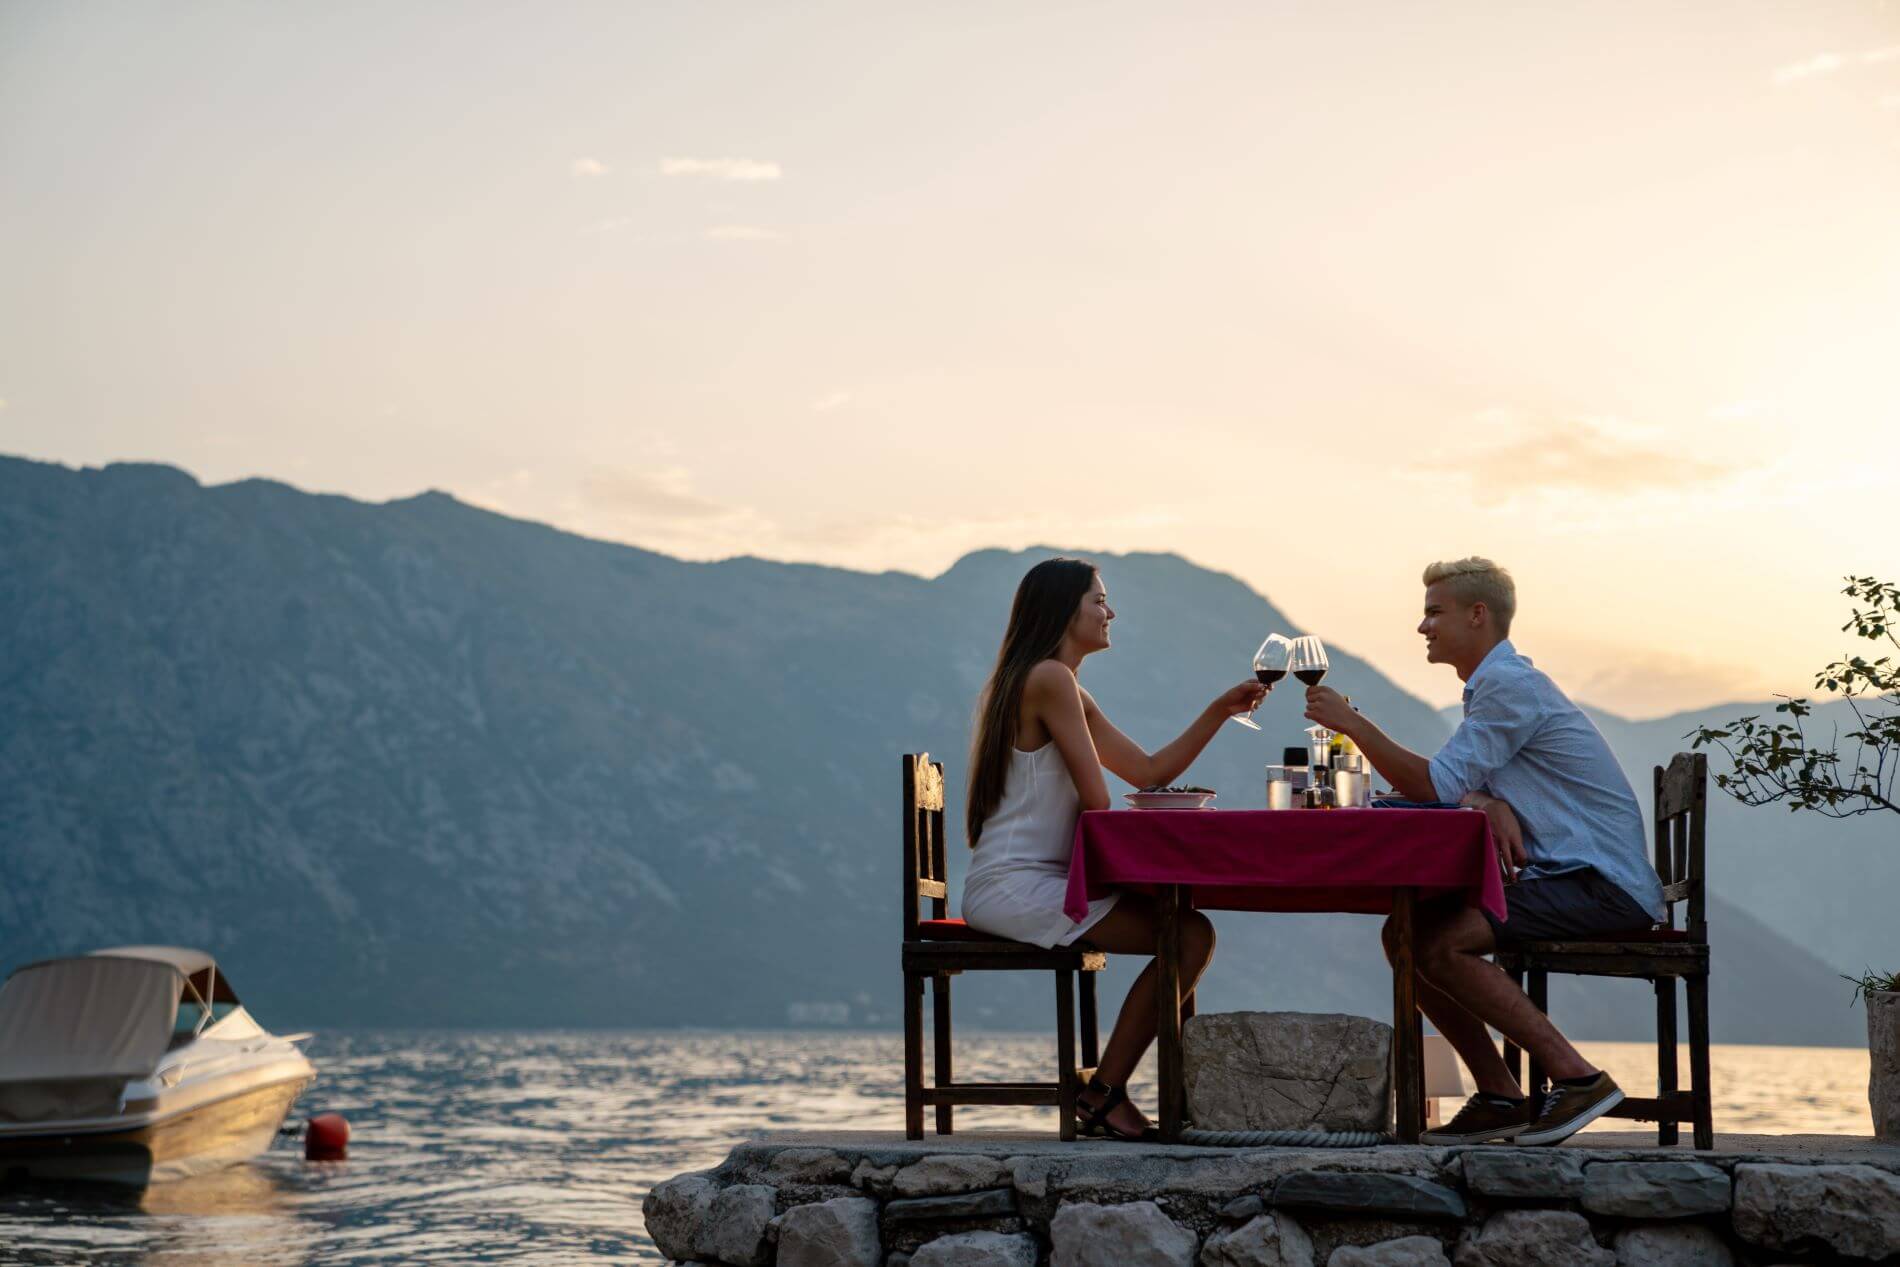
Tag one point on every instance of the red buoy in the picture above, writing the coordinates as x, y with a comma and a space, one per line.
326, 1137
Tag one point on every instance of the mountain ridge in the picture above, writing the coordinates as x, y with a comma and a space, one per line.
417, 762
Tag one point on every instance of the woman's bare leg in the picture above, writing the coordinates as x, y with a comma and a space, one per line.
1130, 929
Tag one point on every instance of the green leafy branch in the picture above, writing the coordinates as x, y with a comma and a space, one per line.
1776, 762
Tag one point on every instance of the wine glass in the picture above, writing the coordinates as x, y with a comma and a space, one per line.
1307, 661
1269, 665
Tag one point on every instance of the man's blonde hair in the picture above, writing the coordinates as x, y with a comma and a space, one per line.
1476, 580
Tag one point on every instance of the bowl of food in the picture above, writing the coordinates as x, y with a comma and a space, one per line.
1170, 798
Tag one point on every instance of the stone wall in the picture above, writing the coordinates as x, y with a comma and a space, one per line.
1017, 1203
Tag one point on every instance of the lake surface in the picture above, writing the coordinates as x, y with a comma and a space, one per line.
538, 1147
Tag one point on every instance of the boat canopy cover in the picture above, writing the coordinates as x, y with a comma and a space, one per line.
185, 960
73, 1030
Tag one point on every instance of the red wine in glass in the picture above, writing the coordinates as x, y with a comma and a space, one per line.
1269, 666
1308, 660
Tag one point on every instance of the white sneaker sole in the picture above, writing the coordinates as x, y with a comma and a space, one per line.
1556, 1134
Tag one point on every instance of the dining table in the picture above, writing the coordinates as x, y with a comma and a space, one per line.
1376, 861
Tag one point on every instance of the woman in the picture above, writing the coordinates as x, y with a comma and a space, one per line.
1037, 760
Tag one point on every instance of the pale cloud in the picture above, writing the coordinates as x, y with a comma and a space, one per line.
1739, 410
1795, 72
1603, 456
612, 224
742, 233
664, 494
721, 168
823, 405
1829, 63
589, 167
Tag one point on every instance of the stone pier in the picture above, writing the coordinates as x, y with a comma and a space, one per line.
1019, 1200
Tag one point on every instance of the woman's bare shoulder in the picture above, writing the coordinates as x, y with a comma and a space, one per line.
1051, 679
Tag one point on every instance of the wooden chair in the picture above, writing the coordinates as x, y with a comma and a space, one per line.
1660, 955
936, 948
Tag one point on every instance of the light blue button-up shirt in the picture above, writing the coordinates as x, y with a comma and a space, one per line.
1523, 741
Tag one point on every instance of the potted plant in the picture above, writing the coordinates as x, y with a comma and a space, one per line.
1776, 762
1881, 992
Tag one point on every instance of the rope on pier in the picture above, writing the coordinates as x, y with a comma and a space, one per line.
1283, 1139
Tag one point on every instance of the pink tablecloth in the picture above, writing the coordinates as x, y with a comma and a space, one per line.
1286, 860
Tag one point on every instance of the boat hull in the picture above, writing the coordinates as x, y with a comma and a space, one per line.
204, 1137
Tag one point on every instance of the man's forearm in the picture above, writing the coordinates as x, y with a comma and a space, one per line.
1409, 774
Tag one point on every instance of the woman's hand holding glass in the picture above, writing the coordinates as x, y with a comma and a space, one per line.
1269, 666
1237, 701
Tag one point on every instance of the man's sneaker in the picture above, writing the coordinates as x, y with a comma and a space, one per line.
1484, 1117
1565, 1110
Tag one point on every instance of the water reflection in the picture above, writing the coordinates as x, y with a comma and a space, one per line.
537, 1148
231, 1218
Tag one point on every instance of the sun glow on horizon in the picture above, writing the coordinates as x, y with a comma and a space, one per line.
1306, 298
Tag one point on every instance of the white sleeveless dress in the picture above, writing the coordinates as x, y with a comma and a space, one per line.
1020, 877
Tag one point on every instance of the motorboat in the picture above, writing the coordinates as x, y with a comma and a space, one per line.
136, 1065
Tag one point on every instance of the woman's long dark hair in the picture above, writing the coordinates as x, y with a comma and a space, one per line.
1046, 601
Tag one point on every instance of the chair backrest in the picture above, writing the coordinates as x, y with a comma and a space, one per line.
925, 875
1682, 811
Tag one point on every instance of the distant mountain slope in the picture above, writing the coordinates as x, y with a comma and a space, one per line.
1830, 886
419, 763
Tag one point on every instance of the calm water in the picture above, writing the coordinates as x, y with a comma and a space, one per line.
537, 1147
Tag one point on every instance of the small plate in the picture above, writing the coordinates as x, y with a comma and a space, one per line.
1168, 800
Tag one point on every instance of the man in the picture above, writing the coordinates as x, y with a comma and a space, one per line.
1569, 829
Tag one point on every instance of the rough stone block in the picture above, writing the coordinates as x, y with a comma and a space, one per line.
1263, 1071
1523, 1174
1654, 1189
977, 1249
1407, 1251
1883, 1077
737, 1224
1851, 1210
1670, 1245
949, 1172
872, 1178
676, 1210
1137, 1234
1240, 1209
1368, 1194
1030, 1176
993, 1204
1268, 1240
1532, 1238
836, 1233
808, 1165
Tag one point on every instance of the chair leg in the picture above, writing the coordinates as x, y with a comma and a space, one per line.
1667, 1132
1065, 1054
940, 1014
913, 1056
1091, 1032
1700, 1086
1513, 1054
1540, 999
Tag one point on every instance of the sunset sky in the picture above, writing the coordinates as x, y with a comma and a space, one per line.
1309, 293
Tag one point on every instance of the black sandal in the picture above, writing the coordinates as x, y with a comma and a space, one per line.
1094, 1122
